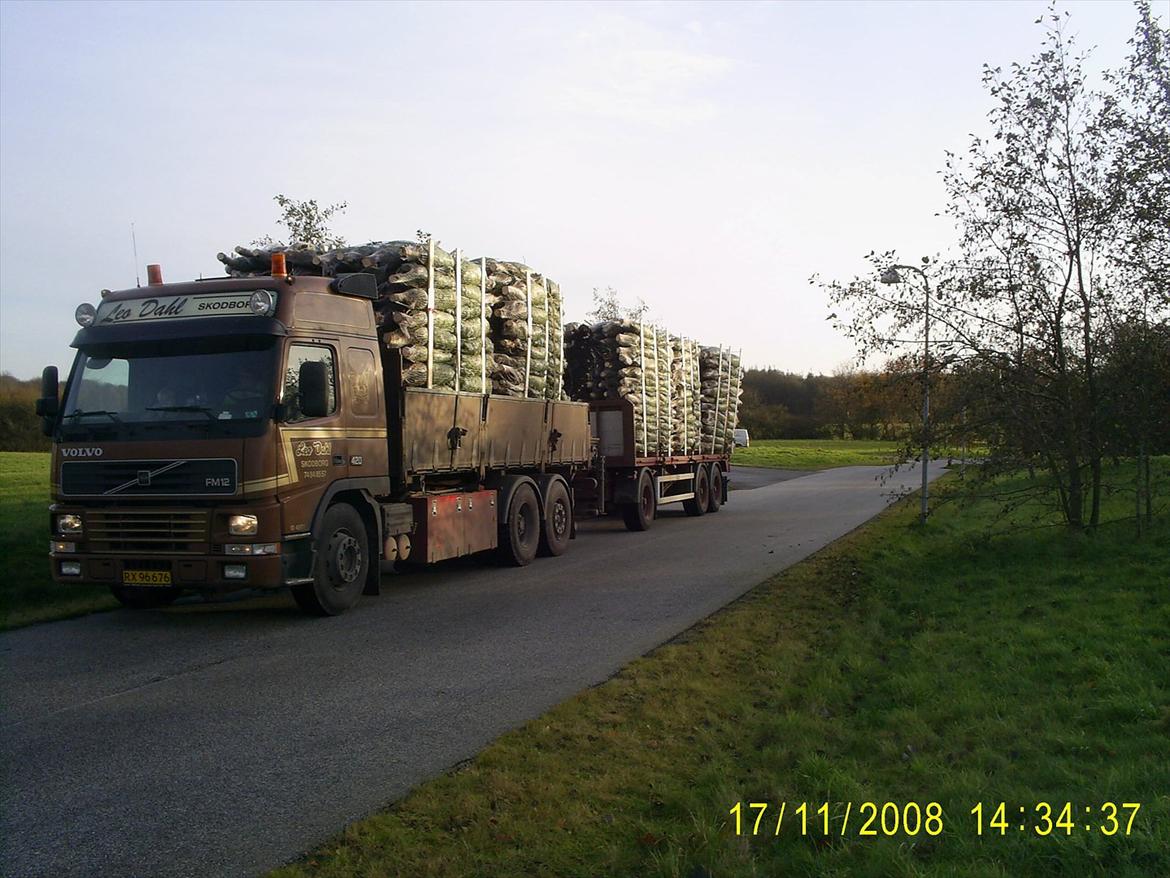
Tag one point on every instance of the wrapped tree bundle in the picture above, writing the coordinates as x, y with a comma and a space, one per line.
712, 367
526, 332
621, 359
721, 374
477, 363
431, 304
684, 377
731, 414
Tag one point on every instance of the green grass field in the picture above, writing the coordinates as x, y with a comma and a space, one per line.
810, 454
895, 666
27, 592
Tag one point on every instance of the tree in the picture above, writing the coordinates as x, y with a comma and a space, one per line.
1062, 217
607, 306
307, 224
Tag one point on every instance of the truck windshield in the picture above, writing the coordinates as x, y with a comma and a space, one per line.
147, 390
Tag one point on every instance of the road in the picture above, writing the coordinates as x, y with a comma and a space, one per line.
226, 739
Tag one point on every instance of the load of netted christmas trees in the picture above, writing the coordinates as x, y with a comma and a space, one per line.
475, 325
685, 397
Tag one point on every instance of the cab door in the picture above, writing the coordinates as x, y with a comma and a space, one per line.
314, 450
365, 418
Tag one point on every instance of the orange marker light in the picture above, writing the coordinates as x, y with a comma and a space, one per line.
154, 274
278, 266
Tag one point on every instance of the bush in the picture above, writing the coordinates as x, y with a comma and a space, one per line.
20, 428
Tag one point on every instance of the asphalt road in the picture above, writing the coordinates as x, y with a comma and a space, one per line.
226, 739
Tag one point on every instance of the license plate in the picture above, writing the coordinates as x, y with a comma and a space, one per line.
146, 577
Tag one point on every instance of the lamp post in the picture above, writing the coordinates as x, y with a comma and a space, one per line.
891, 276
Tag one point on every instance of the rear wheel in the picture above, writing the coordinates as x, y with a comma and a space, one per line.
698, 504
639, 515
558, 520
137, 598
520, 528
341, 567
716, 490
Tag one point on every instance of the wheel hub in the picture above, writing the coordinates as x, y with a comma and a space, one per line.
347, 557
560, 519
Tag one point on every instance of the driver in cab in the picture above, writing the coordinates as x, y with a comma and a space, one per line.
247, 398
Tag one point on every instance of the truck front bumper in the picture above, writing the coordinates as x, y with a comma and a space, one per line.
291, 562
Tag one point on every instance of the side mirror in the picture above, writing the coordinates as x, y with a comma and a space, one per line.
313, 387
49, 405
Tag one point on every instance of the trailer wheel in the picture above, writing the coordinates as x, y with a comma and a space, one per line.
520, 528
136, 598
341, 567
558, 520
716, 499
698, 504
640, 515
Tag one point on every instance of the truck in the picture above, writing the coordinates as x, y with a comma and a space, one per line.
253, 433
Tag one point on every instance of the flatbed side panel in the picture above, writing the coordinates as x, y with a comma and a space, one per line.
468, 438
515, 432
571, 421
428, 416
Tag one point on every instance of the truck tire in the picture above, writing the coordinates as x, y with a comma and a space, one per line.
698, 504
716, 489
341, 566
136, 598
639, 515
558, 520
520, 528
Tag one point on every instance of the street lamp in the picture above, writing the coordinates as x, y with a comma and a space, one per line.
891, 276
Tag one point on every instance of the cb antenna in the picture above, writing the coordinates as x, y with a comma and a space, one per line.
134, 244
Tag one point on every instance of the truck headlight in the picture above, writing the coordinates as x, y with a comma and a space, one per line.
242, 525
69, 525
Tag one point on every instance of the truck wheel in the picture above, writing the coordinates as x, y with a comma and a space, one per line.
640, 515
144, 598
716, 489
341, 566
558, 520
698, 504
520, 528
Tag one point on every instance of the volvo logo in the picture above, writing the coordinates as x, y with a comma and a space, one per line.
82, 452
143, 476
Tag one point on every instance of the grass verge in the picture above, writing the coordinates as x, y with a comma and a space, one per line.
894, 666
814, 454
27, 591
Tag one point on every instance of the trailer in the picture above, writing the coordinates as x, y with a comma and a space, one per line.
636, 486
256, 433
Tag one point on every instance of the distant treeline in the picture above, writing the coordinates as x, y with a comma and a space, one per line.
20, 428
776, 405
846, 405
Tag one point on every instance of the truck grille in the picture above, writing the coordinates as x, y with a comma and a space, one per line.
158, 478
148, 531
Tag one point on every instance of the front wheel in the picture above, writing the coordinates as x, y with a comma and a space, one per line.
341, 566
138, 598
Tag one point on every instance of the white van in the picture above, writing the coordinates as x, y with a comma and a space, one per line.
740, 438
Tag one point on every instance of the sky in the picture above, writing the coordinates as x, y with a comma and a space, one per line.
705, 157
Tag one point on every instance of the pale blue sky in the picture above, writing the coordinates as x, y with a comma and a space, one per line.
706, 157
